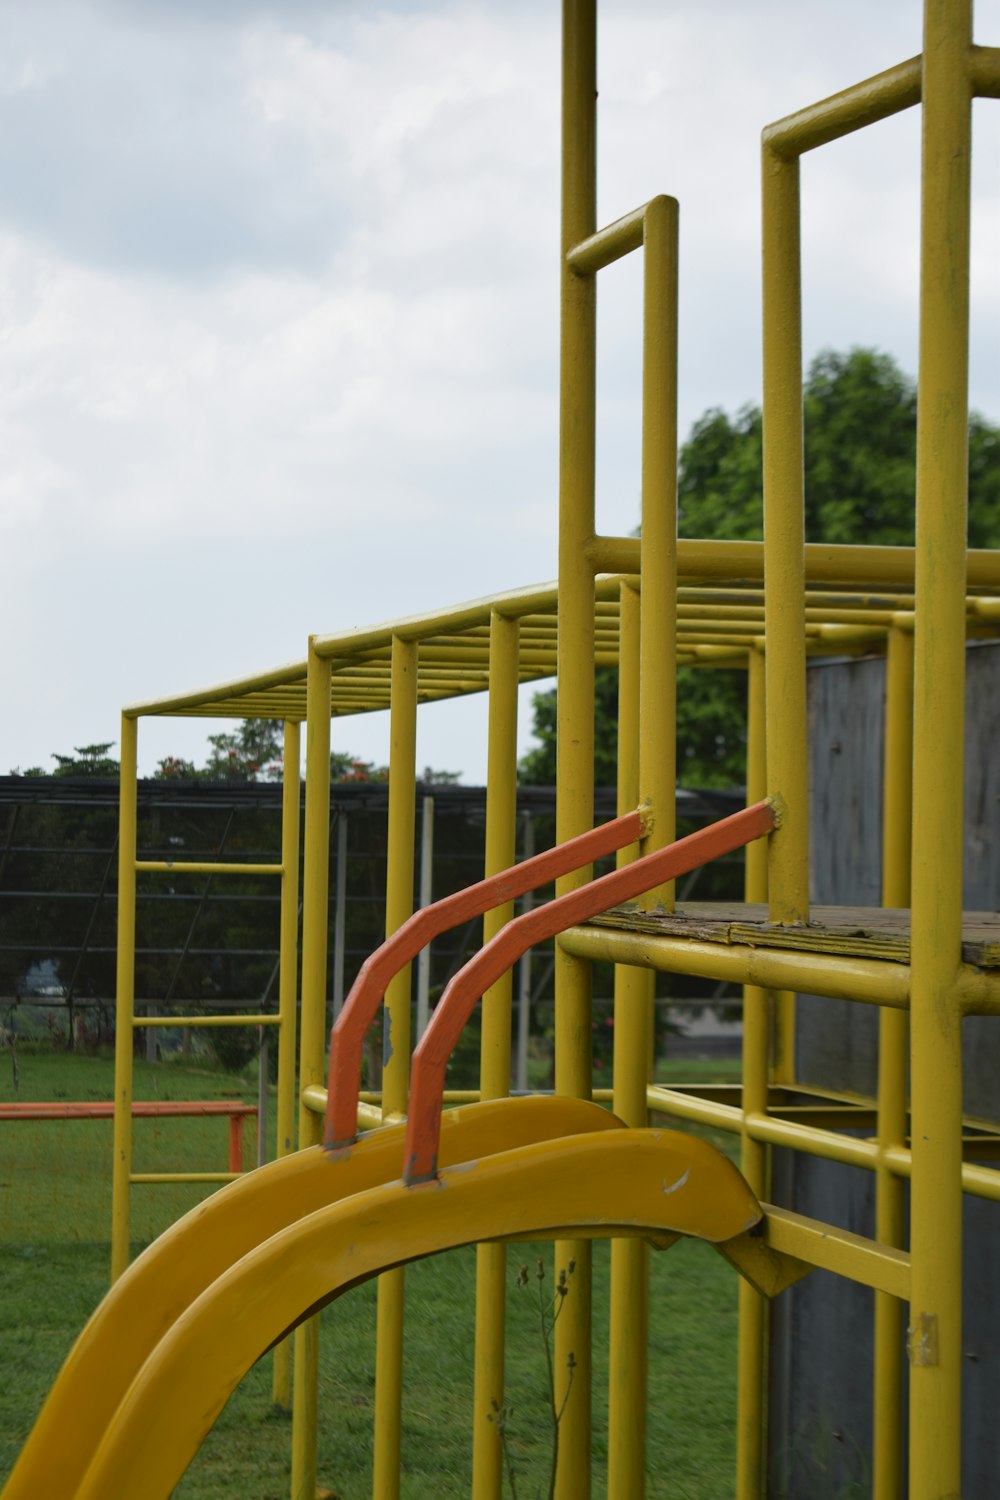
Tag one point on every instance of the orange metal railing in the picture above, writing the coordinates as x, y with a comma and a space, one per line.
456, 1004
360, 1007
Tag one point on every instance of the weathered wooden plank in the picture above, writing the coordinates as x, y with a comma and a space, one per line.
854, 931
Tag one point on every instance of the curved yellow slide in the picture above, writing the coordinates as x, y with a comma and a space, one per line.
146, 1302
653, 1183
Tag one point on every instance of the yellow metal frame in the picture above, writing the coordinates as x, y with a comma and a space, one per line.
646, 606
126, 1021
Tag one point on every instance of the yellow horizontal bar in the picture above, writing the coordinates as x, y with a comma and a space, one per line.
871, 981
860, 567
202, 867
684, 1106
984, 71
450, 1096
977, 1181
610, 243
249, 1020
277, 677
978, 991
876, 98
513, 603
184, 1176
836, 1250
825, 1143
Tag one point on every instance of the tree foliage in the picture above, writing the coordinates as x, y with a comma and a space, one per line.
251, 752
87, 760
860, 414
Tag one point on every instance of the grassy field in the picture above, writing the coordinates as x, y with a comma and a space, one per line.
48, 1286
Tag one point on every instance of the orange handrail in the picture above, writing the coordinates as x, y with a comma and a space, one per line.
459, 999
361, 1005
103, 1109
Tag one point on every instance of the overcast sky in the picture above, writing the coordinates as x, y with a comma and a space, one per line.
279, 320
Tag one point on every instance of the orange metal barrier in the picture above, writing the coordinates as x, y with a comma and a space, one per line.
360, 1007
456, 1004
144, 1110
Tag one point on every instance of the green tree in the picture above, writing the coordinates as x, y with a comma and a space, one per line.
88, 760
252, 753
860, 414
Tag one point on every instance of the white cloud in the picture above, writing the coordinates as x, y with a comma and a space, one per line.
278, 316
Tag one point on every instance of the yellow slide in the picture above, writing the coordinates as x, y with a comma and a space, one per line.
162, 1283
170, 1381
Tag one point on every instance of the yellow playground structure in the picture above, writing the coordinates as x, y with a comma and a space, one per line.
180, 1327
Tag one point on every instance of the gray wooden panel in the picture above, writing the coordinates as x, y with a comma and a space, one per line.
981, 1039
837, 1041
820, 1441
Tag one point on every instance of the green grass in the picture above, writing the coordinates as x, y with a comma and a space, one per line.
48, 1287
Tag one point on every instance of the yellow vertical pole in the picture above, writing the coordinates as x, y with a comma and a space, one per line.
575, 727
287, 995
494, 1074
655, 773
897, 813
632, 1068
124, 997
315, 922
934, 1338
784, 542
658, 565
753, 1315
396, 1048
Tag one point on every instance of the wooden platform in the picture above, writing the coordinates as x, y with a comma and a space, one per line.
850, 931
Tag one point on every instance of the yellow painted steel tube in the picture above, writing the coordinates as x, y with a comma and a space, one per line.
633, 1055
825, 1143
984, 66
866, 980
839, 1251
862, 104
825, 562
751, 1405
288, 972
396, 1048
124, 997
935, 1334
897, 812
787, 778
315, 922
978, 991
978, 1182
205, 867
291, 672
218, 1177
658, 661
494, 1072
250, 1019
575, 724
608, 244
514, 602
